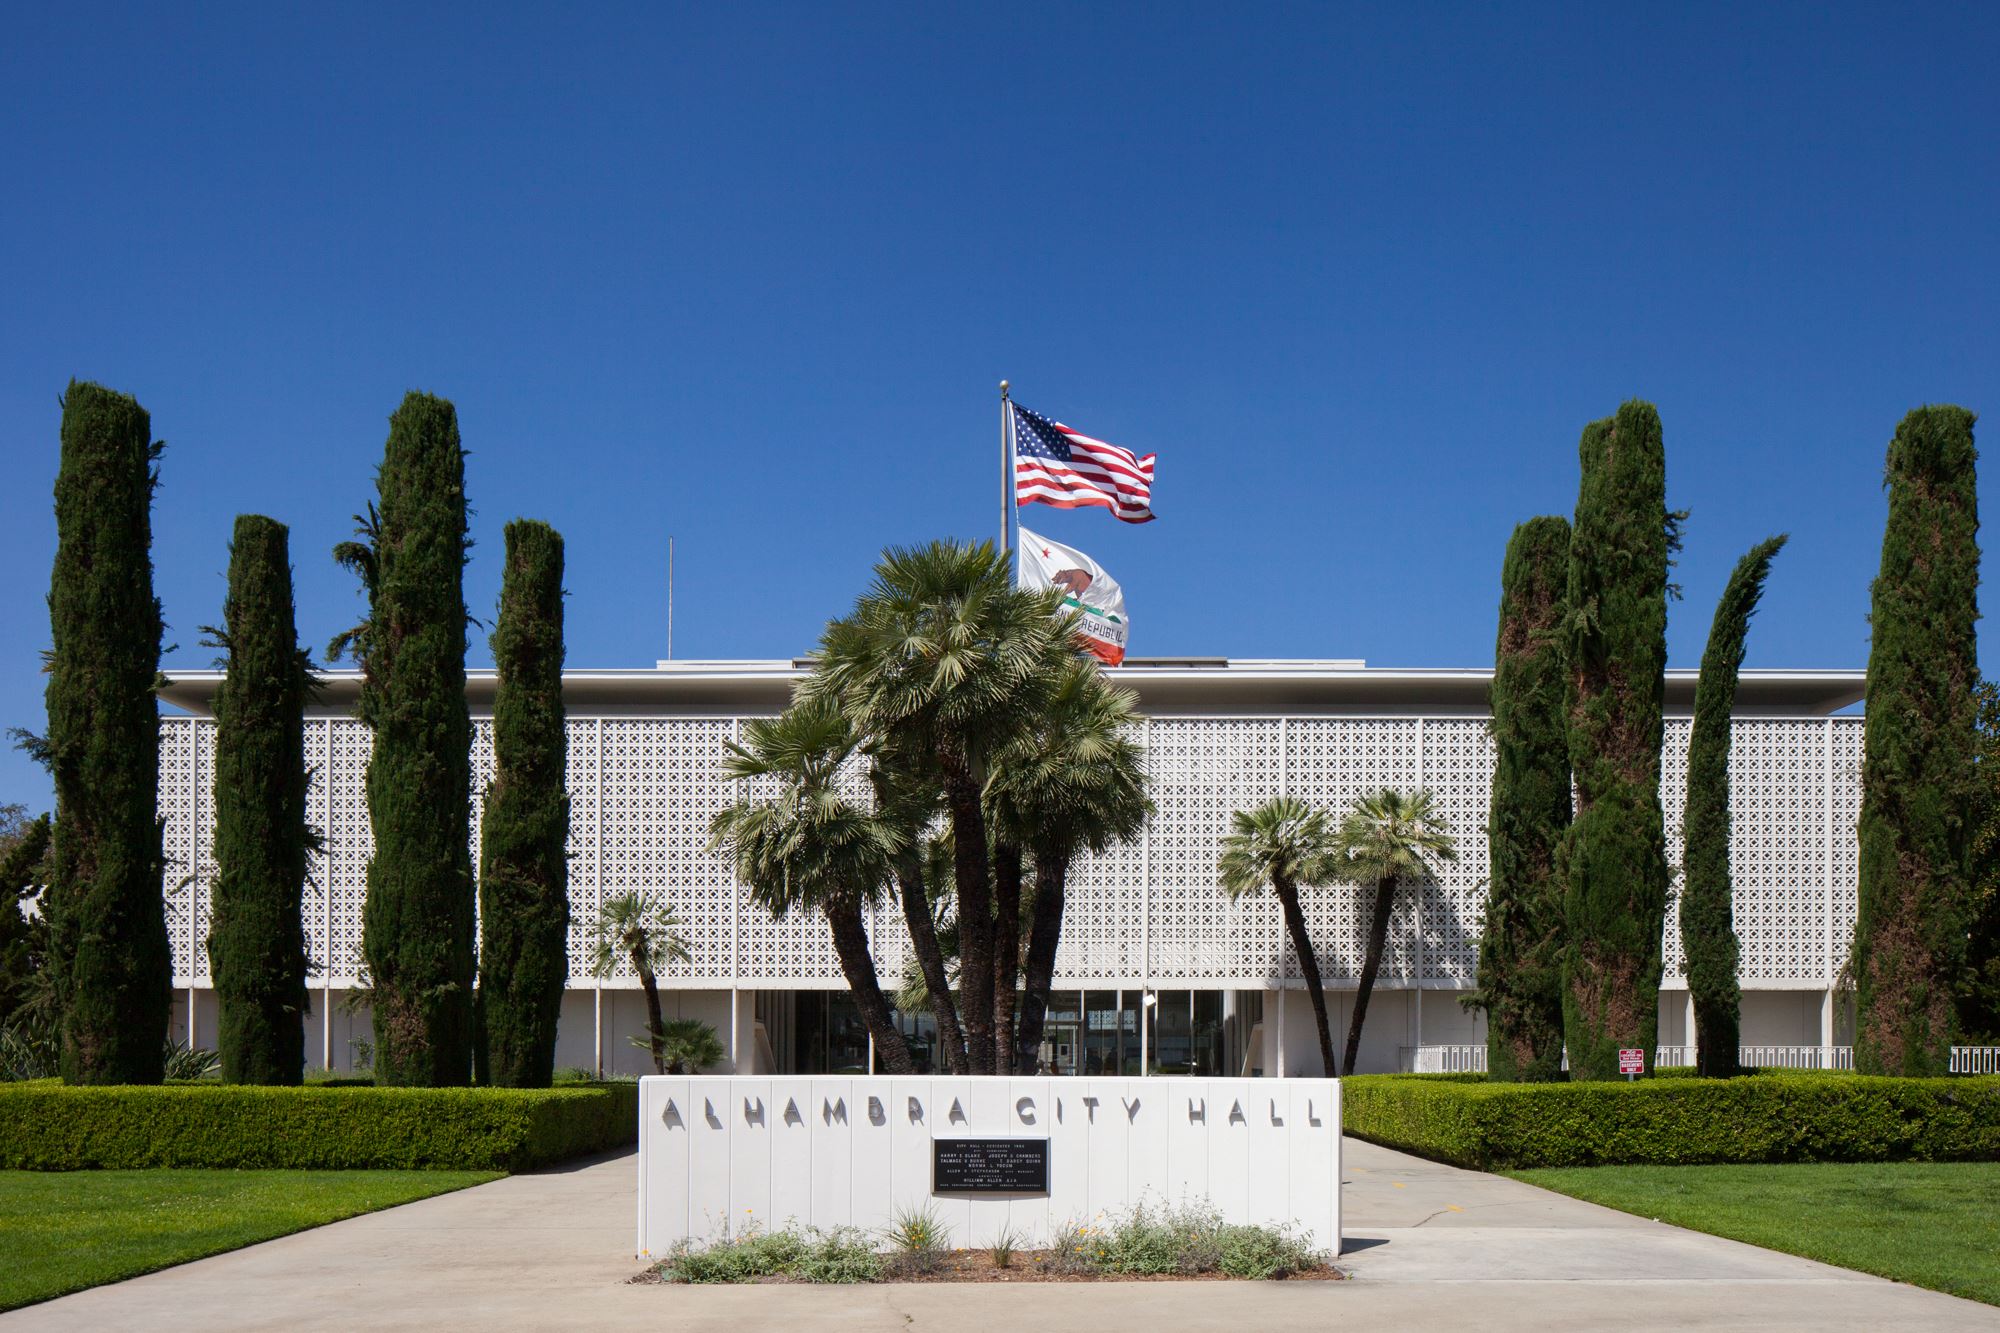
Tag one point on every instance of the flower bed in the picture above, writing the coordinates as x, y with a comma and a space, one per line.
1145, 1244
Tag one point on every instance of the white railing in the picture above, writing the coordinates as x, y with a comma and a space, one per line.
1444, 1059
1975, 1059
1795, 1057
1472, 1059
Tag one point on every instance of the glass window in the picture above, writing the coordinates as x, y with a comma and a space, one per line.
831, 1037
1062, 1034
1207, 1044
1101, 1032
920, 1035
1170, 1039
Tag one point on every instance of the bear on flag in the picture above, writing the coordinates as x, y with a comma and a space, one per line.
1086, 587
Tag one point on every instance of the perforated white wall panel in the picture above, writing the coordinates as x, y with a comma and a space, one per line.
642, 793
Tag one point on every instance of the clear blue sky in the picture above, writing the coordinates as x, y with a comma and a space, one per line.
749, 275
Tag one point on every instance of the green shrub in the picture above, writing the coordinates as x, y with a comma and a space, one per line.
1772, 1117
1187, 1239
1263, 1253
918, 1239
834, 1255
49, 1127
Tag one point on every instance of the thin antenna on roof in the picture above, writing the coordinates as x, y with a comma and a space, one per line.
670, 597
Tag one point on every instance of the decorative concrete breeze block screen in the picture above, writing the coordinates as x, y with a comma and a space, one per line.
642, 792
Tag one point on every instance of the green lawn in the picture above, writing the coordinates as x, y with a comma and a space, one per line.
1934, 1224
62, 1231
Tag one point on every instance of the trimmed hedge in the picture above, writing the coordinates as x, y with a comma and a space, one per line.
45, 1126
1773, 1117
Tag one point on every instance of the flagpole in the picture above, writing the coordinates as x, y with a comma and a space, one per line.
1006, 466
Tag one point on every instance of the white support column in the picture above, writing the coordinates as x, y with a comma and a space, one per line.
1687, 1037
736, 1028
1145, 1030
598, 1014
1280, 1033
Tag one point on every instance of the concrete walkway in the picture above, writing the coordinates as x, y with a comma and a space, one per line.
1427, 1244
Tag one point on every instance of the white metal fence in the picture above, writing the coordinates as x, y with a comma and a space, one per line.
1461, 1059
1975, 1059
1444, 1059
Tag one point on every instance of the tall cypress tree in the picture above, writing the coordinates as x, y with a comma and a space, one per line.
524, 871
112, 965
1520, 950
1614, 860
257, 943
1708, 930
1917, 768
417, 924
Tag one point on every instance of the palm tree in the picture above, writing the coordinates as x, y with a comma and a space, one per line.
1072, 783
1387, 840
945, 660
1285, 843
633, 928
923, 871
813, 847
689, 1046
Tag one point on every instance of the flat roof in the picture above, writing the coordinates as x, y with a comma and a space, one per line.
1166, 686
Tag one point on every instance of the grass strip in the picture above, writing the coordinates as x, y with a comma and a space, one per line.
1931, 1224
63, 1231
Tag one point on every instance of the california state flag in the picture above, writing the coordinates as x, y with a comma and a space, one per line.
1085, 585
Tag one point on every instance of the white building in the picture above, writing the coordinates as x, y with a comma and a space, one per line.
1147, 932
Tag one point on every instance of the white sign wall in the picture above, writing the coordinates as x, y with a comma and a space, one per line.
722, 1152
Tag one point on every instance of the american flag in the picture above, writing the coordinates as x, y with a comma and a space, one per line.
1054, 465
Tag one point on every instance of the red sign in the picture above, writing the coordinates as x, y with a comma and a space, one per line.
1631, 1060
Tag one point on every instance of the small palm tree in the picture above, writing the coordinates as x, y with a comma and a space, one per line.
689, 1046
1388, 839
633, 928
815, 848
1285, 843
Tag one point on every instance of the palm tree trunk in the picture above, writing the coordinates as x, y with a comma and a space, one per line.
655, 1025
930, 960
1006, 951
1044, 934
1371, 963
975, 913
1295, 922
850, 942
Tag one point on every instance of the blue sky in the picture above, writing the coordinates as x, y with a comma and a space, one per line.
749, 276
